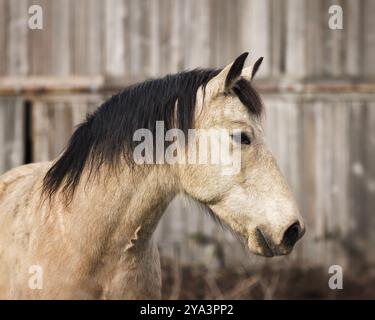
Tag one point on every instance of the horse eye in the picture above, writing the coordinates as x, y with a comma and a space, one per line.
243, 138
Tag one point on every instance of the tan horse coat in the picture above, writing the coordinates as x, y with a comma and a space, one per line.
100, 244
86, 252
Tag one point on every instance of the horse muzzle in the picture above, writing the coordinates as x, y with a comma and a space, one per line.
268, 247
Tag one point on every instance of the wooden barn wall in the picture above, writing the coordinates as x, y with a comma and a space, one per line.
143, 38
324, 143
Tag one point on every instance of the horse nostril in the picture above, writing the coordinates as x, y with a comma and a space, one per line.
292, 234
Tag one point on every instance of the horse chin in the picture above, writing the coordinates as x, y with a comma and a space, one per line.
263, 248
263, 251
266, 252
259, 245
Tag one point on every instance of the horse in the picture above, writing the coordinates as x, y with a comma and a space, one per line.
81, 226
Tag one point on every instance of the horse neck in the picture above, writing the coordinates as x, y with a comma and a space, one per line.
126, 205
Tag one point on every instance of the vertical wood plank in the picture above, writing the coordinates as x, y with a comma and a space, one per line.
357, 168
368, 38
40, 131
196, 42
337, 47
17, 41
4, 14
353, 38
176, 60
11, 133
370, 179
277, 37
114, 35
316, 27
95, 37
135, 38
40, 42
155, 25
215, 34
256, 33
144, 35
295, 41
79, 36
61, 30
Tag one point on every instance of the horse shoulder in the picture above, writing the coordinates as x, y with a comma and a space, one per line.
22, 172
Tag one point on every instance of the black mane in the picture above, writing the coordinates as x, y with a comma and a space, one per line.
106, 135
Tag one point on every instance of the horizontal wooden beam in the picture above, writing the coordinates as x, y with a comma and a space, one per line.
99, 84
320, 86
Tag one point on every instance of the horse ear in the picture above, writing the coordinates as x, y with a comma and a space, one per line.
228, 76
235, 70
250, 72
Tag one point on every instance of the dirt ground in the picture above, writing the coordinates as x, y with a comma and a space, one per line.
196, 282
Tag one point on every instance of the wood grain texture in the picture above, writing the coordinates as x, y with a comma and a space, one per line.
11, 133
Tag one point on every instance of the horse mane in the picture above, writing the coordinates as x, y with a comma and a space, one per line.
106, 136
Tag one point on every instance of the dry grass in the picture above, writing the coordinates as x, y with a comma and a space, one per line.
197, 282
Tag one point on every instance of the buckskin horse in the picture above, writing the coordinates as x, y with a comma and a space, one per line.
87, 218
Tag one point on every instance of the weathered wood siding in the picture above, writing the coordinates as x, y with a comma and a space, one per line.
54, 119
324, 141
143, 38
11, 133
